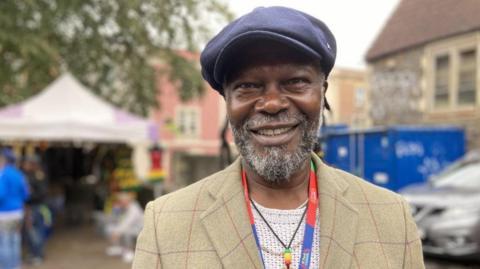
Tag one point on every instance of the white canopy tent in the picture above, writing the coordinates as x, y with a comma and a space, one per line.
67, 111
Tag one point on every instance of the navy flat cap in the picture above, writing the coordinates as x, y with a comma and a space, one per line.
286, 25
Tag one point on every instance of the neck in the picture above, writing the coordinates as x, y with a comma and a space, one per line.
288, 194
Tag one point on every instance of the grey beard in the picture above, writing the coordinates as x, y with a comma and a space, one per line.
274, 163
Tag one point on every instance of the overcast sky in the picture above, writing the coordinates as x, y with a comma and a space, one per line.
355, 23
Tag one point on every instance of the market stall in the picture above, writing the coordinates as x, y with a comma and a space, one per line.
89, 148
67, 111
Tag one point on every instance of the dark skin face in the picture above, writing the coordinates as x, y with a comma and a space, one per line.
269, 79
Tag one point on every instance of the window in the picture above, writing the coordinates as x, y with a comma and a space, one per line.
442, 81
360, 97
453, 75
467, 78
188, 121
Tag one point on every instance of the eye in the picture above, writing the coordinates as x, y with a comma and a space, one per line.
296, 83
246, 86
246, 90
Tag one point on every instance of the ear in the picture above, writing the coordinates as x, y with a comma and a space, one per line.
325, 88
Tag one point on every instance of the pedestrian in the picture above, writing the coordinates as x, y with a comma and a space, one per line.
38, 217
278, 205
13, 194
124, 230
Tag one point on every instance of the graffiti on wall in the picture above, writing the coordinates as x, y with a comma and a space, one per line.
429, 166
408, 149
394, 96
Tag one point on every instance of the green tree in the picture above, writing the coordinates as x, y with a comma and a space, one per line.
109, 45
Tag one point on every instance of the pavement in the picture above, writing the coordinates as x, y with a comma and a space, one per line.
78, 248
81, 247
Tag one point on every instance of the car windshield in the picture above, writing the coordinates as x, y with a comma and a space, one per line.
466, 177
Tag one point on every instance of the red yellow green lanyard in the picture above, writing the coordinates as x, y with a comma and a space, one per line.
312, 206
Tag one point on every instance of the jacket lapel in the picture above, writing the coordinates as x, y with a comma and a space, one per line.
338, 219
226, 222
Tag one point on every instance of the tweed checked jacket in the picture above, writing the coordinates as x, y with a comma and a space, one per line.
206, 225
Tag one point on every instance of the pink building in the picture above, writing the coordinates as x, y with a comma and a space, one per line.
189, 133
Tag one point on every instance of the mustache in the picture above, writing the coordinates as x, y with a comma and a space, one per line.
281, 117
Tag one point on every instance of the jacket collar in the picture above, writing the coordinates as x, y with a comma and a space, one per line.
226, 221
338, 218
227, 224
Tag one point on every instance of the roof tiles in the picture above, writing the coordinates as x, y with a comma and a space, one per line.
416, 22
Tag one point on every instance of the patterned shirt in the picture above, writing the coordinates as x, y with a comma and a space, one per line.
284, 223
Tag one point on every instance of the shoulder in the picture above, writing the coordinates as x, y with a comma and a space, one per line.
198, 194
374, 204
361, 190
380, 211
384, 221
13, 172
353, 188
171, 218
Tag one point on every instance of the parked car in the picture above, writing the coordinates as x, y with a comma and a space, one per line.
447, 210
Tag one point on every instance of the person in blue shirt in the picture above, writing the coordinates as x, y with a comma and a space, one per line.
13, 194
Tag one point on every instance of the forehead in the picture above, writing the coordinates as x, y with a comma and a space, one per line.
266, 52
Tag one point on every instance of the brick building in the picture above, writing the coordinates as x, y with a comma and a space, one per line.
424, 66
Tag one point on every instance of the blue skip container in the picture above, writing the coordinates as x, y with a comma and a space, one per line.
394, 157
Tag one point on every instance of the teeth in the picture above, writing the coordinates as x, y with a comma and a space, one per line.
272, 132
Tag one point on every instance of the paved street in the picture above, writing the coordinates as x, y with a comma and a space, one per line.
79, 248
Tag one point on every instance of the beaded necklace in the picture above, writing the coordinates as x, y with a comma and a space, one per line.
287, 253
310, 211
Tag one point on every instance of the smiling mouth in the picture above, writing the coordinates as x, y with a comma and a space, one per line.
274, 131
274, 135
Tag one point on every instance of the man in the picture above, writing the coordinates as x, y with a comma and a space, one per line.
122, 232
278, 205
13, 193
37, 214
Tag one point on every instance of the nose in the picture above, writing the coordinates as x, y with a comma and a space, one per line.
272, 100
